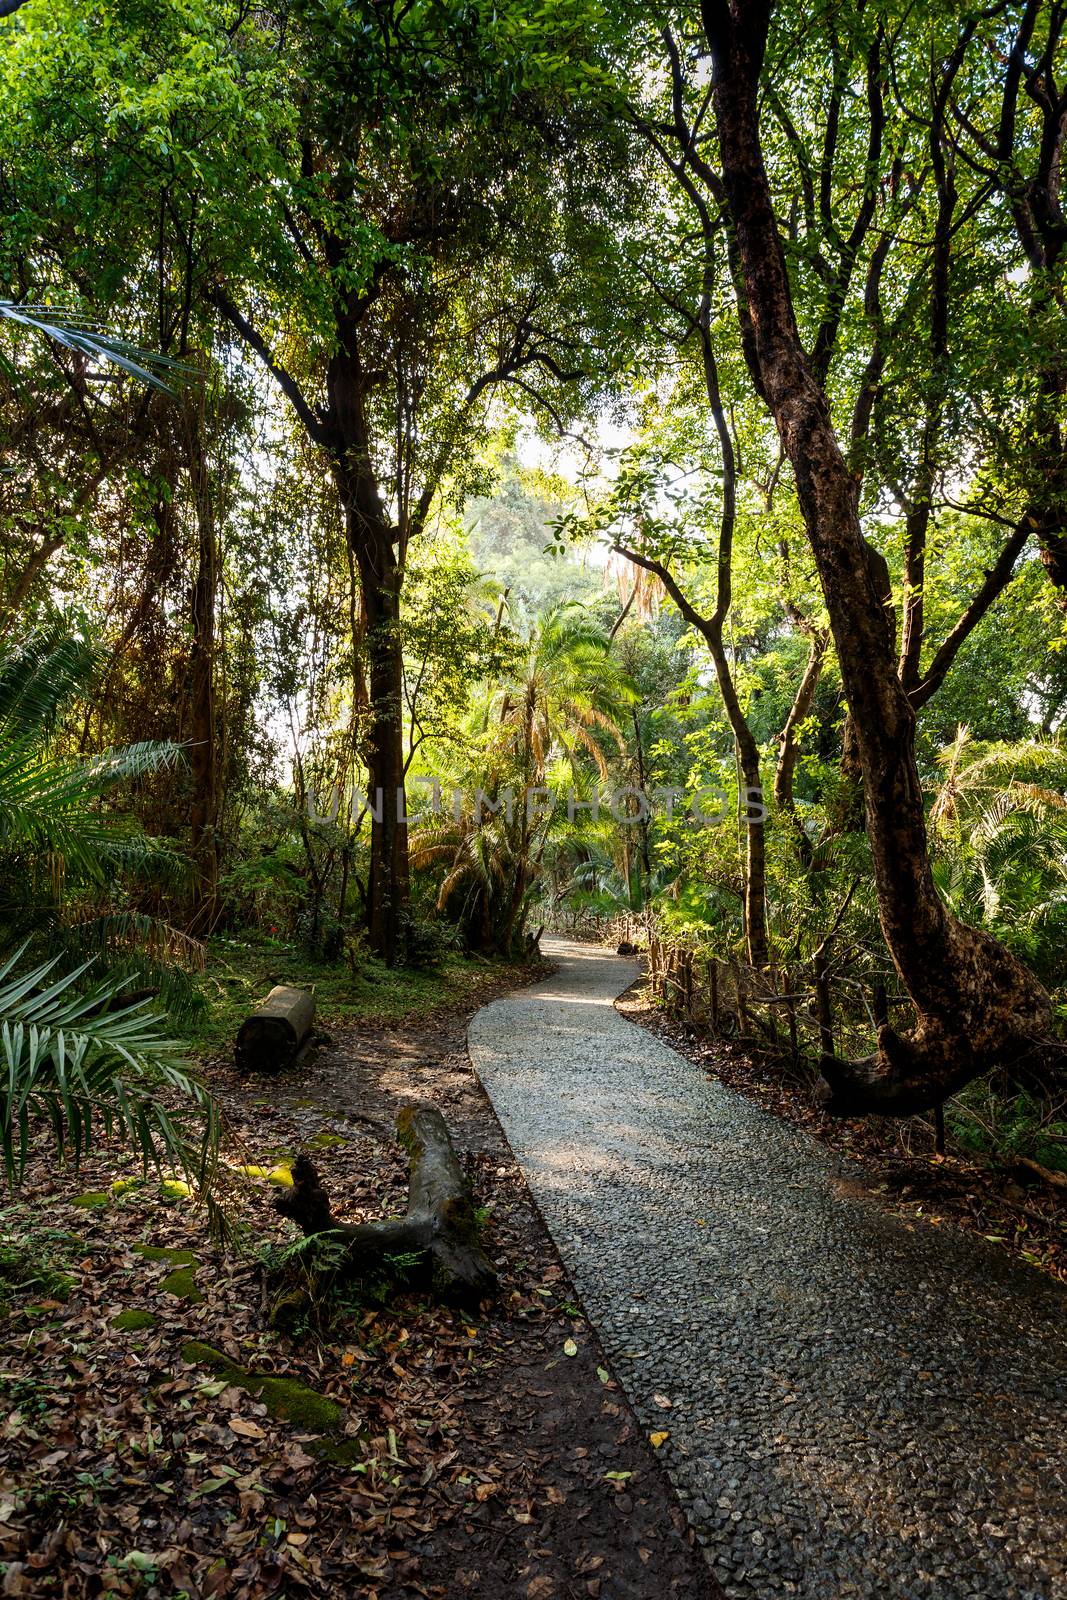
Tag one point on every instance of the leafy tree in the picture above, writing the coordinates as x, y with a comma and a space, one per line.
424, 195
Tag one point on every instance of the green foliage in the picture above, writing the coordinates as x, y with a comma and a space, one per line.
75, 1060
501, 221
550, 721
999, 1120
1001, 816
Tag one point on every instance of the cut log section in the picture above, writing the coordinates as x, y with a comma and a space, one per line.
438, 1237
276, 1032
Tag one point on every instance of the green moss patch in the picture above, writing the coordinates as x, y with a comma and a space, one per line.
286, 1399
155, 1252
181, 1283
90, 1201
339, 1452
326, 1141
133, 1321
175, 1189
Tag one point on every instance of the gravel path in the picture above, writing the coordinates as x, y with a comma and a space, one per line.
862, 1406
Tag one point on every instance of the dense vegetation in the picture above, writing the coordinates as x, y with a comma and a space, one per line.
633, 438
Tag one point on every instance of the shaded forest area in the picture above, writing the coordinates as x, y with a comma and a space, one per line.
467, 471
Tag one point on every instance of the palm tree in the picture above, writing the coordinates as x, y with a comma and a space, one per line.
71, 1054
557, 710
1001, 821
570, 688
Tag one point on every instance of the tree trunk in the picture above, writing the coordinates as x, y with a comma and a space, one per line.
376, 547
643, 823
788, 740
276, 1032
976, 1004
440, 1229
755, 894
203, 752
388, 879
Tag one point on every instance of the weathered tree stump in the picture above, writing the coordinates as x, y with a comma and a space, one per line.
276, 1032
437, 1240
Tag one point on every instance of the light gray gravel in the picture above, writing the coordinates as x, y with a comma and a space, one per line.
862, 1407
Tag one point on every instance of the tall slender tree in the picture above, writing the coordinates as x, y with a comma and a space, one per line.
976, 1004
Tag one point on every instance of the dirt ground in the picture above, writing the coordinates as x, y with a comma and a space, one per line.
478, 1452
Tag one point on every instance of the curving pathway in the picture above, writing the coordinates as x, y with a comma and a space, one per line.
862, 1407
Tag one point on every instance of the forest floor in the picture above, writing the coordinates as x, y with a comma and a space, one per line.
1004, 1203
410, 1450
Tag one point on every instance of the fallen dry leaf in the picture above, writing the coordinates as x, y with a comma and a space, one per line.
246, 1429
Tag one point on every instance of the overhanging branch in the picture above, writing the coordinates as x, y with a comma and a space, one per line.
314, 425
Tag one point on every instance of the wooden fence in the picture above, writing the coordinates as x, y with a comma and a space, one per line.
823, 1006
802, 1009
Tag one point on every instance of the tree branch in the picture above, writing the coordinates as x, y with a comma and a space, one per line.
315, 426
995, 582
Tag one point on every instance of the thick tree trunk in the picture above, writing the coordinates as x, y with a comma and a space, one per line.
976, 1005
440, 1229
376, 548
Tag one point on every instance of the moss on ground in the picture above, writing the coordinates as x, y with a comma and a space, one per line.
286, 1399
156, 1252
326, 1141
338, 1452
174, 1189
133, 1321
239, 972
90, 1201
181, 1283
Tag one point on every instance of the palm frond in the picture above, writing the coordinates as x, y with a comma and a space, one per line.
75, 331
38, 675
73, 1059
47, 804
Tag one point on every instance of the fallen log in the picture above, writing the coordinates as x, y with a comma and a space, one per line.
437, 1239
277, 1030
1027, 1170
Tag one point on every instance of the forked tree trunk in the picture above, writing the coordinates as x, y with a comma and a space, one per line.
976, 1005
